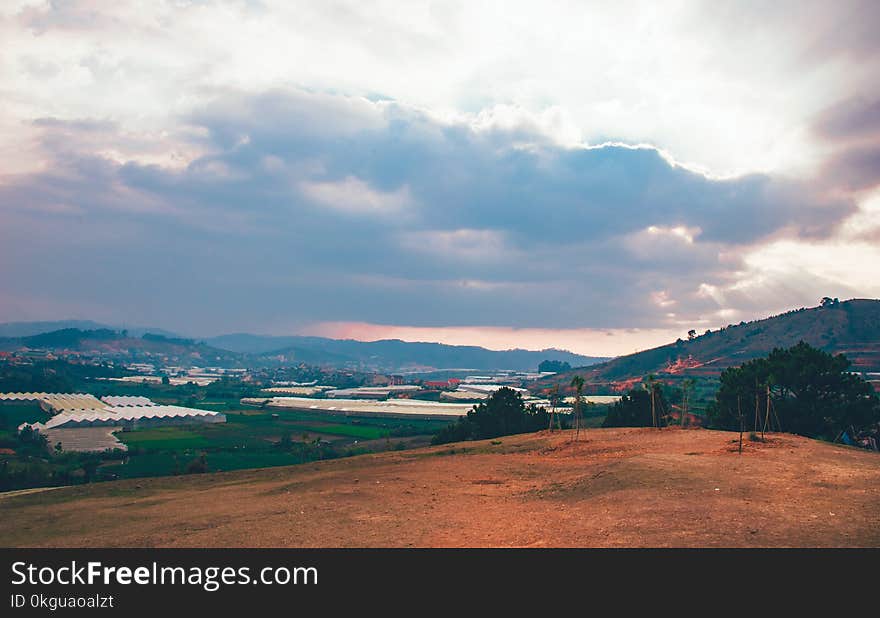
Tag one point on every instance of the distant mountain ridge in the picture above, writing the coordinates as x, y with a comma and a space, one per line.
394, 354
259, 350
29, 329
851, 327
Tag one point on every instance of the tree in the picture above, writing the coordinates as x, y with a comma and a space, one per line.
198, 465
650, 385
554, 403
692, 334
286, 441
504, 413
577, 383
687, 388
634, 409
31, 442
553, 366
802, 389
90, 466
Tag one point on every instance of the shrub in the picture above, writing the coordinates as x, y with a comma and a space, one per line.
198, 465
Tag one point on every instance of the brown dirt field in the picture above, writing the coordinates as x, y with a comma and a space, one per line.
616, 488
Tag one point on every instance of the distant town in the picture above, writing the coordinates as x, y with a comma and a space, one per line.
105, 404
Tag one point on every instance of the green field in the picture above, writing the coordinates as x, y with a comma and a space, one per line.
353, 431
166, 463
259, 429
146, 464
251, 438
592, 422
254, 439
164, 438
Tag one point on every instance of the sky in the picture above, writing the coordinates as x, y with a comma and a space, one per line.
594, 176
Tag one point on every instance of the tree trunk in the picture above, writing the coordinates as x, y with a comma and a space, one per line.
684, 410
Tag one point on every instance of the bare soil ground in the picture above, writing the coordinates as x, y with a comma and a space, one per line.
85, 438
615, 488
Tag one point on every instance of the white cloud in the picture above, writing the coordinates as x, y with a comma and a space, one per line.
460, 244
353, 195
677, 76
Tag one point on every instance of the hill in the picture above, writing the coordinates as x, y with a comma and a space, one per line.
28, 329
851, 327
256, 350
615, 488
393, 354
106, 343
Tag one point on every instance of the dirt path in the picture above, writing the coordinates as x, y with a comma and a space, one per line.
618, 488
25, 492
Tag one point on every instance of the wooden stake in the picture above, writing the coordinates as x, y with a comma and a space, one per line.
756, 405
578, 383
554, 396
740, 410
775, 415
766, 415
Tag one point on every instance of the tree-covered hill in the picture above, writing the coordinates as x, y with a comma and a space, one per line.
122, 345
851, 327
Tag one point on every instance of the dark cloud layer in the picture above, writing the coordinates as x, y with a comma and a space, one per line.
309, 206
856, 168
853, 119
852, 127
